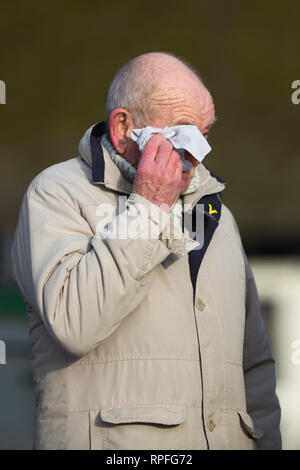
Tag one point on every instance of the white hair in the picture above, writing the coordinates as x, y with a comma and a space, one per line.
131, 89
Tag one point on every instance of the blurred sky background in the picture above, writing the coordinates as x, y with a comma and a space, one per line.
58, 59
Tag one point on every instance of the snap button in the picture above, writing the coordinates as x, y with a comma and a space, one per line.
199, 304
211, 425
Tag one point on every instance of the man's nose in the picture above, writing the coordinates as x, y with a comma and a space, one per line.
190, 158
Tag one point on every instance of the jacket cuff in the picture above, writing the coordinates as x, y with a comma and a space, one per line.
168, 230
154, 220
177, 241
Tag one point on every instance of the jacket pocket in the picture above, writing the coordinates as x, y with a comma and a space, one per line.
246, 423
248, 426
138, 427
241, 430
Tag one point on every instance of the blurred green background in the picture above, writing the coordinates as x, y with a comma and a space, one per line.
57, 60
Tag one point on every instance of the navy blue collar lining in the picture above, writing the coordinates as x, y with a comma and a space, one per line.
98, 164
211, 223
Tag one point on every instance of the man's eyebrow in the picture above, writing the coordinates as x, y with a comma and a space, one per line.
183, 122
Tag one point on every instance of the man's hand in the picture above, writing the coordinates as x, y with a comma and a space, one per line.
158, 176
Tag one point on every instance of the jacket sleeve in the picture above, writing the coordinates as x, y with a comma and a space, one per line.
81, 284
259, 372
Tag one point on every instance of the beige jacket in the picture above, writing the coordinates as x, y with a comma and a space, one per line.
123, 355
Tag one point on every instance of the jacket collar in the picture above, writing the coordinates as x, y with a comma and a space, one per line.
106, 173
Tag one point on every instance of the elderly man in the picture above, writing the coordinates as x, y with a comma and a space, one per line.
139, 341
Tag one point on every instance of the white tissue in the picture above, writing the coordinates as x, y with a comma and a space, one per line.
183, 137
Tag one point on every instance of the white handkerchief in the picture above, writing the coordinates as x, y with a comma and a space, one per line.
183, 137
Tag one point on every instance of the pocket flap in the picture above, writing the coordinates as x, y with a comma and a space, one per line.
160, 414
247, 424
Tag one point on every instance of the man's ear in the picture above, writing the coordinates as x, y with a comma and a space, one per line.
120, 125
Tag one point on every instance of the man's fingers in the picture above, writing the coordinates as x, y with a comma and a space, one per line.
179, 169
164, 153
173, 160
152, 147
158, 177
